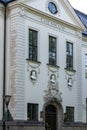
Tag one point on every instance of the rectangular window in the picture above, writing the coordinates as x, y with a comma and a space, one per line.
70, 114
86, 109
33, 40
52, 50
69, 55
32, 111
85, 65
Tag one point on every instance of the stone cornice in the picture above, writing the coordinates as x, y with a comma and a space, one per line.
84, 38
1, 10
1, 7
38, 12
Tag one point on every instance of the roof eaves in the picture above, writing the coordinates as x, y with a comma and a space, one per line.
83, 17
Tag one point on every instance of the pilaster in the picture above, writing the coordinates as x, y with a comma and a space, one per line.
79, 79
17, 65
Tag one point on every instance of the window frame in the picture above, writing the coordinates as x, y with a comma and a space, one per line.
51, 52
32, 112
70, 114
32, 58
86, 109
69, 57
86, 65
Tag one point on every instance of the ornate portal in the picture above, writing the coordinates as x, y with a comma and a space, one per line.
52, 93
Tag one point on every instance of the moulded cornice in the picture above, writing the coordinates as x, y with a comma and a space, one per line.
84, 39
1, 6
36, 11
1, 10
72, 12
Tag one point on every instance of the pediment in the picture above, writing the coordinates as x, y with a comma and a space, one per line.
64, 13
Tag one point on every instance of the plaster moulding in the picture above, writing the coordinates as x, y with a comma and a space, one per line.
70, 77
33, 67
53, 68
51, 95
33, 64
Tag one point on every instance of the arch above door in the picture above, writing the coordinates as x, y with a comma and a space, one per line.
50, 117
53, 114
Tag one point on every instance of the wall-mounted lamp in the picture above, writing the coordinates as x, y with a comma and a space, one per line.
7, 100
41, 115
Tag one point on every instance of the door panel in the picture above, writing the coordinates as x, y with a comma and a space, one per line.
50, 117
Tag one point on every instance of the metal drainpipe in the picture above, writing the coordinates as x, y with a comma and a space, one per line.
4, 63
4, 60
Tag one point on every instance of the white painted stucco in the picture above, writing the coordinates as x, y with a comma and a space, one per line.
65, 26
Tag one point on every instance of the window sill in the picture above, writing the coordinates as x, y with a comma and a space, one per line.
33, 64
70, 70
32, 61
53, 66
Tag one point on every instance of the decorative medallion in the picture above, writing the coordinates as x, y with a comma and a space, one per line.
53, 79
70, 77
33, 75
33, 68
52, 91
70, 82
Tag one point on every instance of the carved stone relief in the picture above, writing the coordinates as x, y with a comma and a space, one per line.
34, 70
52, 91
22, 11
70, 77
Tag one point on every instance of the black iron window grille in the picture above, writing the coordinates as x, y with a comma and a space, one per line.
33, 41
52, 50
69, 55
32, 111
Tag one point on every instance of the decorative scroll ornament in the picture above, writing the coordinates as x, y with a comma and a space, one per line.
52, 69
22, 11
33, 65
70, 72
52, 93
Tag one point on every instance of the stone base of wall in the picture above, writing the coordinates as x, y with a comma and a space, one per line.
35, 125
74, 126
22, 125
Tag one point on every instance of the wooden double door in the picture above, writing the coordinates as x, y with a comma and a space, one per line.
50, 117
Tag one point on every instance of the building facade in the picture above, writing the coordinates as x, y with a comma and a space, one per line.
46, 61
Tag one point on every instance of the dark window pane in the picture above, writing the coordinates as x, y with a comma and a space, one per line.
85, 65
69, 55
70, 114
33, 37
52, 50
86, 110
32, 111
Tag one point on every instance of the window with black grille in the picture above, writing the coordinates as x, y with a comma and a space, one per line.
85, 65
69, 55
33, 41
32, 111
52, 50
70, 113
86, 110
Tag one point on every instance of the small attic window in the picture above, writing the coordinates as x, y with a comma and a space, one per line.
52, 8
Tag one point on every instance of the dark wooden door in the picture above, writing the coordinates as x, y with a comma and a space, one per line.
50, 117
